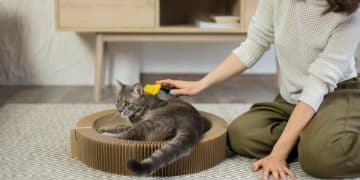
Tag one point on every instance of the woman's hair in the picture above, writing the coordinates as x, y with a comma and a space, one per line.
342, 6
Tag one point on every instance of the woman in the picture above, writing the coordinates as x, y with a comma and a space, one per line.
317, 114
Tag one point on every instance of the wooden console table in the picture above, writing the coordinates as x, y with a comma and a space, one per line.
149, 21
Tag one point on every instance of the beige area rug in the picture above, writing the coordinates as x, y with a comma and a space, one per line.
34, 144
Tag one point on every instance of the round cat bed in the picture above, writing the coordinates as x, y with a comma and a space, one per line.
111, 155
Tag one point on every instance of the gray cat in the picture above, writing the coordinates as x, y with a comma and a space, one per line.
153, 119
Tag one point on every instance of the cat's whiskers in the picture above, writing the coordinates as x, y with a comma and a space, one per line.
114, 116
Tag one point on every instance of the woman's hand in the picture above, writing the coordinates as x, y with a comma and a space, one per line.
275, 163
231, 66
188, 88
275, 166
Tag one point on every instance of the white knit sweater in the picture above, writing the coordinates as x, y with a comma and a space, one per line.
314, 52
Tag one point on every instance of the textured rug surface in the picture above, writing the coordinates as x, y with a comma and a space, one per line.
34, 144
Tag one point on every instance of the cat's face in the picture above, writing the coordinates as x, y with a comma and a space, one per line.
129, 101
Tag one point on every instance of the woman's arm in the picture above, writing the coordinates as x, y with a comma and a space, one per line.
299, 118
259, 37
275, 163
228, 68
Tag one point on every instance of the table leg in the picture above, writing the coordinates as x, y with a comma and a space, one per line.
99, 67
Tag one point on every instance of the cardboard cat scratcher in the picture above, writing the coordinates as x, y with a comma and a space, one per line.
111, 154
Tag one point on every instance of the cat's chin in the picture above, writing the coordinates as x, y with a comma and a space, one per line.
126, 118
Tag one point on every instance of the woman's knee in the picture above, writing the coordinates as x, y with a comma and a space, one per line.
241, 137
238, 136
254, 133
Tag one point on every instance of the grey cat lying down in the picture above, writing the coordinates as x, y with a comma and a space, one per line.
155, 119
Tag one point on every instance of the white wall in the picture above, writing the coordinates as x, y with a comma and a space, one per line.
195, 57
31, 52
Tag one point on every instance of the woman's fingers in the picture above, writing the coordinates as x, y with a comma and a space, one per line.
167, 81
282, 173
289, 173
265, 174
275, 174
257, 165
180, 92
273, 167
178, 84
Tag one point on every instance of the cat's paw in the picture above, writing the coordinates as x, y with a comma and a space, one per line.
109, 134
101, 130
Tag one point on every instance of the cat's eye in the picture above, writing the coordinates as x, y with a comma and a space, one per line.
119, 100
123, 101
126, 103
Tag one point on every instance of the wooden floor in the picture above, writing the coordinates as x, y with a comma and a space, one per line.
241, 89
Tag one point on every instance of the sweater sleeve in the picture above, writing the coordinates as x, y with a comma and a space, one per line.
328, 69
260, 34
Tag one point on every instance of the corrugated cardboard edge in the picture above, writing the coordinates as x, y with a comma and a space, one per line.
110, 154
73, 144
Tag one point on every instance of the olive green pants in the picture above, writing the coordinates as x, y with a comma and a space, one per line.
329, 146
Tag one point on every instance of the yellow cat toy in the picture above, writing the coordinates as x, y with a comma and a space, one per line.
154, 89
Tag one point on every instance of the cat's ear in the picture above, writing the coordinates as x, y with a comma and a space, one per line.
119, 87
138, 90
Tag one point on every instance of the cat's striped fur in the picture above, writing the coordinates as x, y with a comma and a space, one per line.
156, 119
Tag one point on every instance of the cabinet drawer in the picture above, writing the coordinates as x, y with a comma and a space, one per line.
105, 15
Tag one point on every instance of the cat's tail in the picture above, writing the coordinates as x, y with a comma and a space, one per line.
180, 146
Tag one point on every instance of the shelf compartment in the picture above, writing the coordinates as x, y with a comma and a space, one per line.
180, 12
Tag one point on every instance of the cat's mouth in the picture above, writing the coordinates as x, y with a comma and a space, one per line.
128, 117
